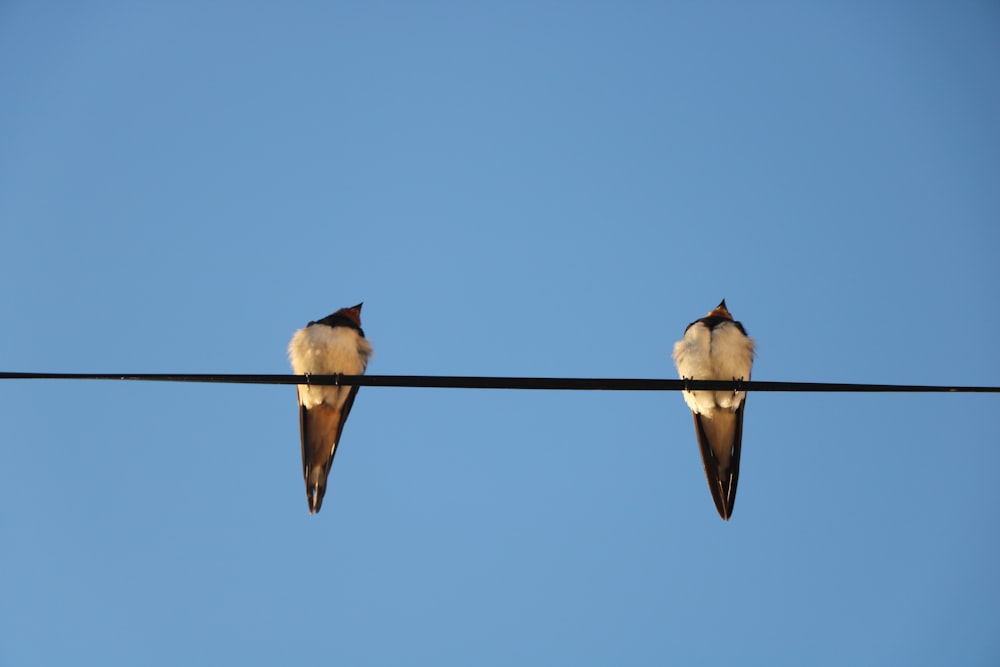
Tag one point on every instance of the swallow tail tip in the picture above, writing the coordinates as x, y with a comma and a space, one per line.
725, 494
724, 508
314, 497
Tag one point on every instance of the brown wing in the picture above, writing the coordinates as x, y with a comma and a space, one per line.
720, 439
344, 412
320, 427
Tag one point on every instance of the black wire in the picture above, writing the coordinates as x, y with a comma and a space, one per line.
474, 382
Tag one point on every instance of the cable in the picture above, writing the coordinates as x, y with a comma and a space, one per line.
473, 382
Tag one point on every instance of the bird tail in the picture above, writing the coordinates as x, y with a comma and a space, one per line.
320, 425
720, 438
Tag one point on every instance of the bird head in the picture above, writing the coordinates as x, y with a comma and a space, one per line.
720, 311
353, 314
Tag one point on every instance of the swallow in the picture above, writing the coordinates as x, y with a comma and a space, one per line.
334, 344
716, 347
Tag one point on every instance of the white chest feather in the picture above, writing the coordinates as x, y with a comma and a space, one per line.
324, 350
722, 353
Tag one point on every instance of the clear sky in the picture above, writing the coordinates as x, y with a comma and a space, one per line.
512, 188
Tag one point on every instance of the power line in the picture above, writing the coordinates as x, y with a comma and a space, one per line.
476, 382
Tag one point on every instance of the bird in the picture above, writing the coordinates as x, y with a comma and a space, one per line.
332, 345
717, 347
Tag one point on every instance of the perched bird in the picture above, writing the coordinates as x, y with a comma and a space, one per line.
334, 344
716, 347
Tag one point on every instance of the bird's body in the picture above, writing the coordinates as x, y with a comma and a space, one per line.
716, 347
332, 345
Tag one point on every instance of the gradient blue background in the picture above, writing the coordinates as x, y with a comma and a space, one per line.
525, 188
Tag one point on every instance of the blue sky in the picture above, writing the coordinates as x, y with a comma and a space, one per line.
545, 188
